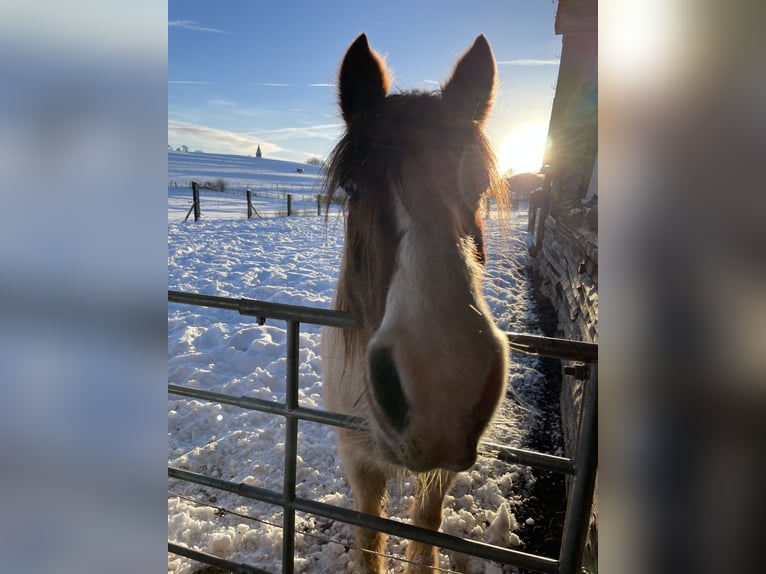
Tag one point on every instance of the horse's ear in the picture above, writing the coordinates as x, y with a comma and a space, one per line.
364, 80
471, 88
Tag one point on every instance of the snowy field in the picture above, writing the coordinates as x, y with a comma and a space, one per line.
269, 180
296, 260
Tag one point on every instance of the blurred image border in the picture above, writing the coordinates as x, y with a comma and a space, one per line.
83, 165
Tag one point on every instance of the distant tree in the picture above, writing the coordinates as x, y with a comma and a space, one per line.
218, 185
258, 151
315, 161
170, 147
183, 148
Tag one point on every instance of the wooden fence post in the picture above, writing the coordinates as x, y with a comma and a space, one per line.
195, 193
289, 204
249, 203
319, 204
195, 202
545, 208
534, 199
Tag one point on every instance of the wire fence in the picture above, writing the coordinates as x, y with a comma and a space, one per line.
582, 465
242, 203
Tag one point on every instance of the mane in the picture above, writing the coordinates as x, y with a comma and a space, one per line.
366, 164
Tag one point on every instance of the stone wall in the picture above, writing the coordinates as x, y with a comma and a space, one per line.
566, 262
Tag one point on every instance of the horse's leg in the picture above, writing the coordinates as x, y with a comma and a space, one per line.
368, 483
426, 512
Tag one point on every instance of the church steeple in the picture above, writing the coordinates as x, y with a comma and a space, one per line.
258, 151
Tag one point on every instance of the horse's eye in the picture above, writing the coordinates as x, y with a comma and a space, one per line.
350, 187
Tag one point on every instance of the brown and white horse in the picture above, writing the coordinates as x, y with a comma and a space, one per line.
428, 366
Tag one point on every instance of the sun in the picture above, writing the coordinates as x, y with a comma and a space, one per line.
522, 149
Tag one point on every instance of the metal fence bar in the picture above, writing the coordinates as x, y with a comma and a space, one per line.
513, 455
246, 490
214, 560
255, 308
519, 342
432, 537
270, 407
534, 459
576, 519
564, 349
393, 527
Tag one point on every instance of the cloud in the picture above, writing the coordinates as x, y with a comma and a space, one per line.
432, 82
194, 26
216, 140
323, 131
221, 102
529, 62
321, 85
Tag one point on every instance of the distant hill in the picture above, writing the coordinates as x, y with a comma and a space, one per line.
240, 171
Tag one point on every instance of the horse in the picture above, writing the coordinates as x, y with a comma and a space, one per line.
427, 366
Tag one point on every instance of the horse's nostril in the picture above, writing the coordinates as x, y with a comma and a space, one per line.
388, 388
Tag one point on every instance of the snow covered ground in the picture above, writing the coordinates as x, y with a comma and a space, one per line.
296, 260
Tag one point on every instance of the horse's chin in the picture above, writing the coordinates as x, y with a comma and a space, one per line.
454, 466
397, 456
388, 453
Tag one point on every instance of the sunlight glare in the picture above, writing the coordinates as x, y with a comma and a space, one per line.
522, 149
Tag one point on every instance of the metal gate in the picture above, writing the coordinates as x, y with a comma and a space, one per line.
582, 465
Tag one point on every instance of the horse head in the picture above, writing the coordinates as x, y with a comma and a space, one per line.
416, 168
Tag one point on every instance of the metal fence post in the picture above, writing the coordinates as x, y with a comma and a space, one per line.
576, 520
291, 447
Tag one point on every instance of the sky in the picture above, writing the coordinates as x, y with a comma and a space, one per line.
243, 74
